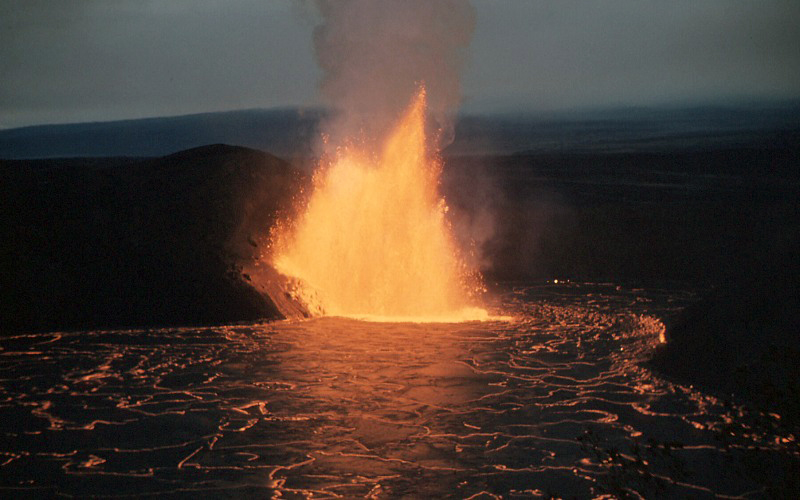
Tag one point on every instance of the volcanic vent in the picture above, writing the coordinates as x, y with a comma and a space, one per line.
373, 239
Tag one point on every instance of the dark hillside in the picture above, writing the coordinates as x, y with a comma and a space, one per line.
285, 132
153, 242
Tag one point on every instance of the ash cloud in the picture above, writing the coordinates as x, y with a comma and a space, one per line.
375, 53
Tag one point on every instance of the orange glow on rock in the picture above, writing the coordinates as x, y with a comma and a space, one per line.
373, 241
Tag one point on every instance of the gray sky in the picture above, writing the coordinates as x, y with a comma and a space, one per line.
88, 60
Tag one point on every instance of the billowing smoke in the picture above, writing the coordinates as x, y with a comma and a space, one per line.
375, 53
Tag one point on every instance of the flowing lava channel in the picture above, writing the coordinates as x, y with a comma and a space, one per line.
374, 242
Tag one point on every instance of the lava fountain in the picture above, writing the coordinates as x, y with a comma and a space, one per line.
373, 240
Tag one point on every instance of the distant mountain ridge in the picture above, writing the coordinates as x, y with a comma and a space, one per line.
292, 132
284, 132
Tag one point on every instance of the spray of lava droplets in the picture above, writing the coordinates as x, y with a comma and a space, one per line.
373, 241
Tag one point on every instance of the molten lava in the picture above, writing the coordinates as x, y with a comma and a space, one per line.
374, 242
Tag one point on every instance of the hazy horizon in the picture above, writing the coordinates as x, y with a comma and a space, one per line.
588, 112
79, 62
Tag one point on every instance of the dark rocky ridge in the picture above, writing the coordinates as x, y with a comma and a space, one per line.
123, 242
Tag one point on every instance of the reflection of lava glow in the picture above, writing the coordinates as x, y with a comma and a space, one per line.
374, 241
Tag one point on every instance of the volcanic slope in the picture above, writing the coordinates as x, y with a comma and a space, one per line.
119, 242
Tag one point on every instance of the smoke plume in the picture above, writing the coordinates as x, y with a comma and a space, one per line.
376, 53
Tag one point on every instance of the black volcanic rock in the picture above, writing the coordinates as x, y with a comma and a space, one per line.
743, 338
121, 242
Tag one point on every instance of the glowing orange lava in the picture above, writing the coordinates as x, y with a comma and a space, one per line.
374, 242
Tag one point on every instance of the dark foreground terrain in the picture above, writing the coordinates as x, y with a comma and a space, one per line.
552, 403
